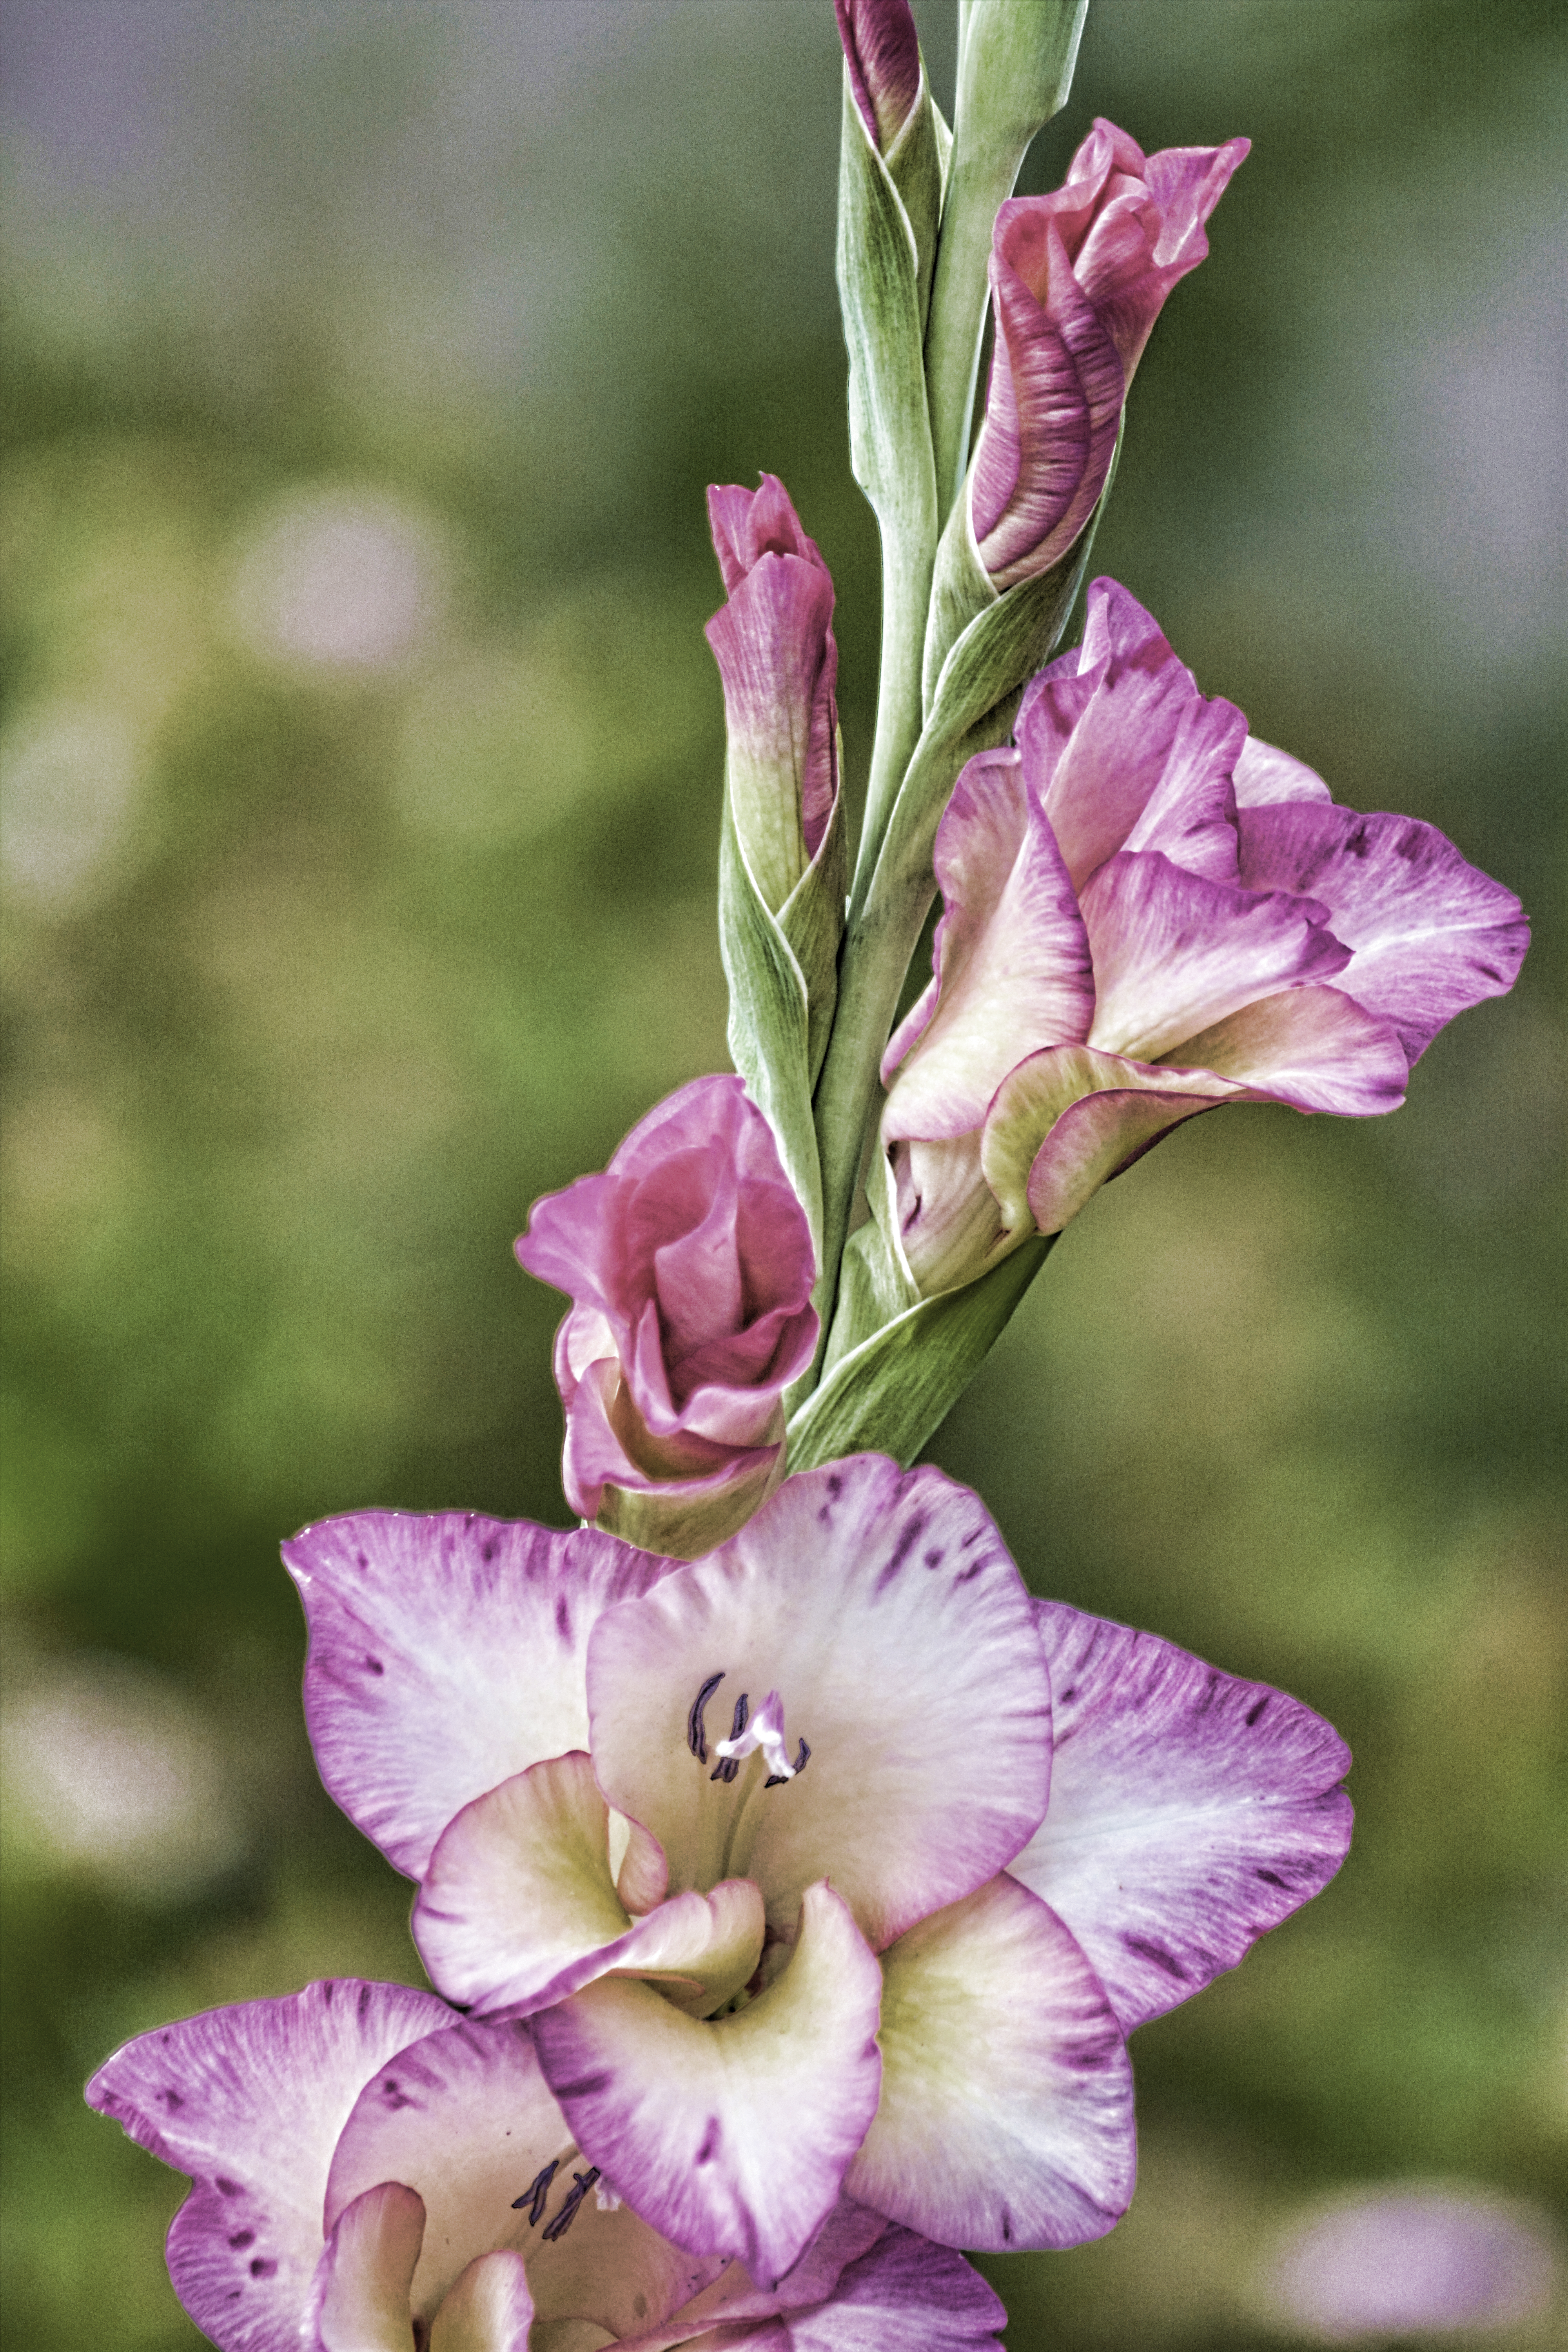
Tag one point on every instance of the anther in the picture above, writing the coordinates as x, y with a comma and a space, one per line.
696, 1730
728, 1765
534, 2195
568, 2213
777, 1779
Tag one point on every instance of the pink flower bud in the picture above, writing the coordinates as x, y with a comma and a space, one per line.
882, 51
1078, 279
690, 1263
779, 665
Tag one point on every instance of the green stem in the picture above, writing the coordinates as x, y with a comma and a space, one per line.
907, 560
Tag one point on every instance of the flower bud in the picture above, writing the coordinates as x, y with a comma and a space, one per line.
882, 51
691, 1263
778, 663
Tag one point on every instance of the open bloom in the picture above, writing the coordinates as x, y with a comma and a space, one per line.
373, 2174
690, 1263
779, 665
882, 51
831, 1863
1078, 279
1148, 913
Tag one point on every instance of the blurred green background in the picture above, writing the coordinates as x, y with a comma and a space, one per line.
365, 362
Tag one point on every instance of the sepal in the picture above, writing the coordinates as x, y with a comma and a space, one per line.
892, 1391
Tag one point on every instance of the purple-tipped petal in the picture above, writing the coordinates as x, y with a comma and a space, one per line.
1011, 958
1429, 934
732, 2136
447, 1654
361, 2296
1124, 751
885, 1613
882, 51
1007, 2114
1190, 1811
1174, 954
250, 2102
905, 2295
465, 2118
1313, 1048
519, 1908
1065, 1121
488, 2310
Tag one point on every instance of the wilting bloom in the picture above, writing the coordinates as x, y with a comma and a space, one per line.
370, 2173
1149, 913
1412, 2260
882, 51
1078, 279
762, 1846
690, 1263
779, 665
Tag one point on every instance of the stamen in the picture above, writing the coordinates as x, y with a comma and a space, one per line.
725, 1748
777, 1779
534, 2195
765, 1730
696, 1730
568, 2213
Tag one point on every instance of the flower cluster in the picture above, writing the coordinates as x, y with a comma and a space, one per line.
789, 1876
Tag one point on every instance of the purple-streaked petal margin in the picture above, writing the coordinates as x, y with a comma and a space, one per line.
447, 1654
250, 2102
1190, 1811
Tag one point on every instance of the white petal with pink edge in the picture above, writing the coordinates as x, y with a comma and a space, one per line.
1190, 1810
488, 2310
732, 2136
250, 2101
1006, 2112
885, 1610
1011, 956
519, 1907
360, 2302
466, 2119
446, 1654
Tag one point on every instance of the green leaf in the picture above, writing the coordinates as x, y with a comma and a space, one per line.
892, 1392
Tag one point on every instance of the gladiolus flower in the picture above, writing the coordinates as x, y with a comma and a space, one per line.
778, 663
763, 1846
691, 1264
1149, 913
1078, 279
882, 51
371, 2173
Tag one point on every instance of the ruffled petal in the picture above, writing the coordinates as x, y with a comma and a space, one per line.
446, 1654
362, 2289
1190, 1811
1143, 736
488, 2310
849, 2232
1065, 1121
519, 1907
1429, 934
1011, 957
465, 2118
1174, 953
1264, 773
885, 1613
250, 2101
730, 2135
1007, 2114
905, 2295
1314, 1048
